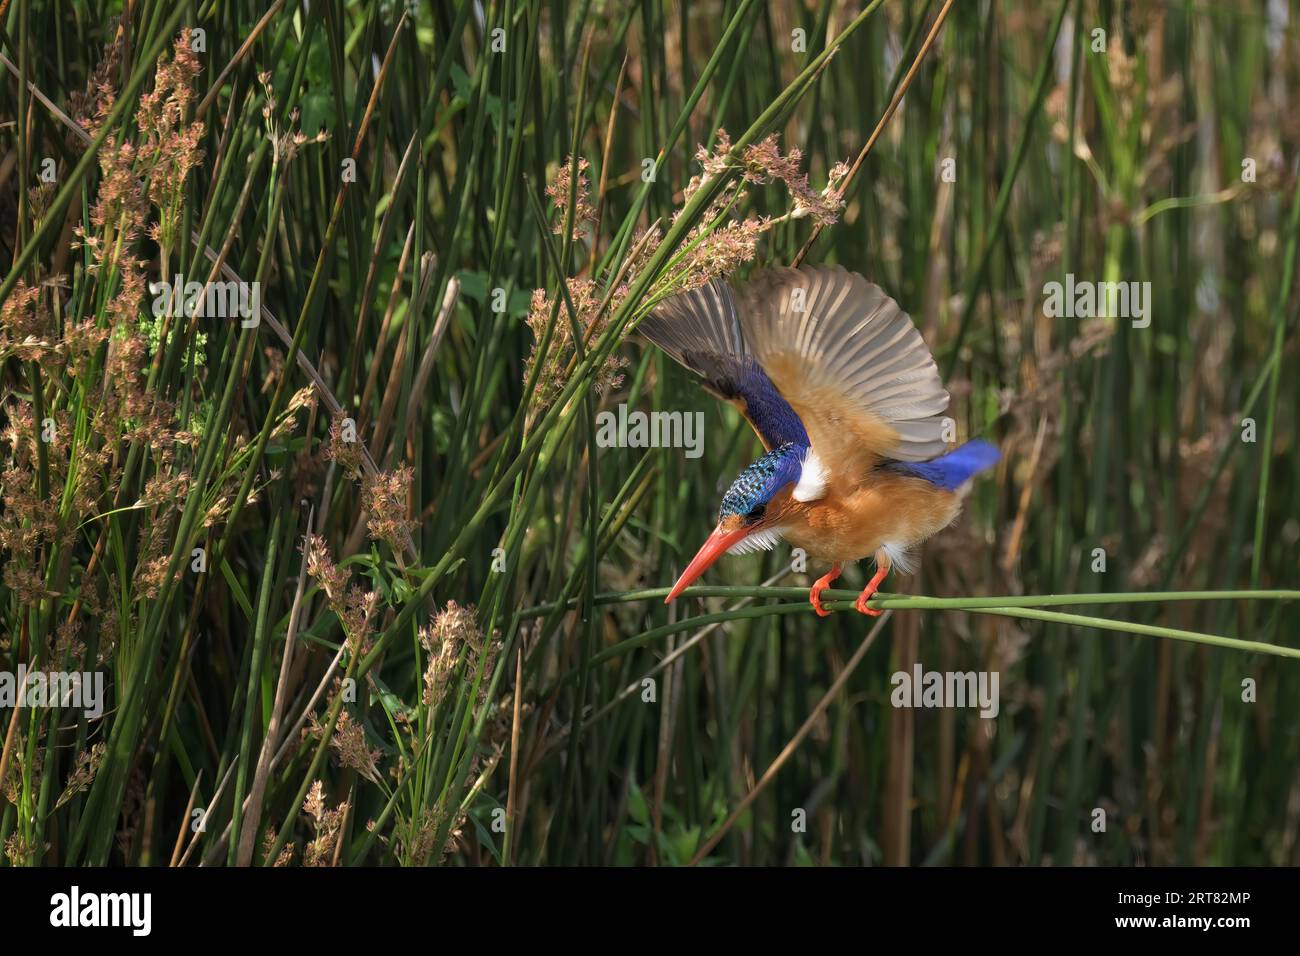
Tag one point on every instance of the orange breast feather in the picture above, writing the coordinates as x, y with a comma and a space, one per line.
885, 510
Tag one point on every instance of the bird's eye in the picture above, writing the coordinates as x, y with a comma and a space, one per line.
755, 512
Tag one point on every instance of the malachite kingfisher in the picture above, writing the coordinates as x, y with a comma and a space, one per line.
848, 403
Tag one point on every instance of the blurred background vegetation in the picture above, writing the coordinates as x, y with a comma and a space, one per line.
366, 590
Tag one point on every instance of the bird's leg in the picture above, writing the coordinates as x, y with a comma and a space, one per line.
882, 569
822, 583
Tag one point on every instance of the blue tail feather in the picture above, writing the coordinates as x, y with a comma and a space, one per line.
950, 471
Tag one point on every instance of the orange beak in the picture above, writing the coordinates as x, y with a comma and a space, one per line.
715, 547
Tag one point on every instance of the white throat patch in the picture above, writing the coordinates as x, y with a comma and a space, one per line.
812, 479
764, 540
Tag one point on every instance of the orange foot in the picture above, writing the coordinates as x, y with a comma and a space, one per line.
822, 583
882, 569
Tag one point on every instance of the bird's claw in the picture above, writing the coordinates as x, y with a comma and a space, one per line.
820, 585
815, 596
882, 569
861, 605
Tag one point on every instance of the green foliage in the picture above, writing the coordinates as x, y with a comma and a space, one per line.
430, 643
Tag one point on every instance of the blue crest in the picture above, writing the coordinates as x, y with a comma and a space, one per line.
756, 485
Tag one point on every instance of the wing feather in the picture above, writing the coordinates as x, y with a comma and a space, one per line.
851, 364
700, 329
702, 320
818, 356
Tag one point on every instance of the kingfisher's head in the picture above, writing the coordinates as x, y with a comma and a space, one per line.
753, 513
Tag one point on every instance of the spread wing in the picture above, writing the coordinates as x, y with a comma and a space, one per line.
850, 363
700, 329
